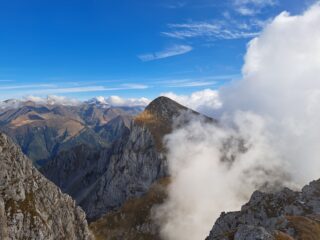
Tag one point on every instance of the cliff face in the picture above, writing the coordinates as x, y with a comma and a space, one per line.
285, 215
31, 207
131, 166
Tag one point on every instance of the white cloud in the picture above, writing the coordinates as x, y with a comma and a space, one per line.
281, 82
49, 100
259, 3
53, 100
121, 102
274, 110
27, 86
206, 101
252, 7
212, 30
127, 102
169, 52
134, 86
190, 83
197, 82
203, 185
246, 11
93, 89
66, 101
9, 104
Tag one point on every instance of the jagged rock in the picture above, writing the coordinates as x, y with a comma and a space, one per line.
31, 207
283, 215
247, 232
131, 166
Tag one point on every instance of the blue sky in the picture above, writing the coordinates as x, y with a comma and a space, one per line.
140, 48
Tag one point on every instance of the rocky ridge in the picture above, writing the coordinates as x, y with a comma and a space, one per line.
31, 207
284, 215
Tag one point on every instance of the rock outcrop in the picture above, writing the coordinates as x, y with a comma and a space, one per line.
31, 207
284, 215
130, 167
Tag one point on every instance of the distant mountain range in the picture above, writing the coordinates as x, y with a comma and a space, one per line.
44, 129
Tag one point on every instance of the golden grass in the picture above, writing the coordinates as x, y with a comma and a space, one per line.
124, 223
307, 228
157, 127
282, 236
145, 118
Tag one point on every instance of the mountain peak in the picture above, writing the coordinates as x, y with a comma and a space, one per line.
165, 108
162, 110
159, 117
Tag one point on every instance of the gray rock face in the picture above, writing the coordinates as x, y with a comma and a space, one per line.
31, 207
293, 215
247, 232
131, 167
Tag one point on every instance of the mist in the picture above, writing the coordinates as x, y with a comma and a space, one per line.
268, 135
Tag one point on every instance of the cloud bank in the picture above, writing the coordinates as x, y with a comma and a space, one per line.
270, 133
125, 102
53, 100
115, 101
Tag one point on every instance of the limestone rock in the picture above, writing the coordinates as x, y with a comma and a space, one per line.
281, 215
31, 207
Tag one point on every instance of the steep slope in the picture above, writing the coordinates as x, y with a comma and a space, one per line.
115, 128
134, 219
284, 215
31, 207
130, 166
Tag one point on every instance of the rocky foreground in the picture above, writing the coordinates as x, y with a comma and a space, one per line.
285, 215
31, 207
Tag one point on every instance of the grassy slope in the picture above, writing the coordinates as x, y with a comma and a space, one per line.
126, 222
